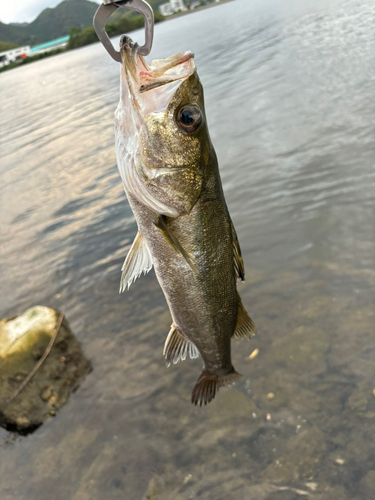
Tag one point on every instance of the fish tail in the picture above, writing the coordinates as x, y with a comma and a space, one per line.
208, 385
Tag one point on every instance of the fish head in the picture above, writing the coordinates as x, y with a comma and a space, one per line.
162, 140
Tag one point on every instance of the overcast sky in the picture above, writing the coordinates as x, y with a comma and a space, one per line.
20, 11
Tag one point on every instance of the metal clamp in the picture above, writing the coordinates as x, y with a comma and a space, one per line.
107, 8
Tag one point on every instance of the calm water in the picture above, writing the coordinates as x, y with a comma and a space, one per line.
289, 90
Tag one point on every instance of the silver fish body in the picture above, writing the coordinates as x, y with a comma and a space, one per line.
171, 178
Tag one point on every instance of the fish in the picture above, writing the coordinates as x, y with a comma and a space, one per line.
171, 178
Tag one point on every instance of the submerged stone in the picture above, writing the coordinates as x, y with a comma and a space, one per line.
23, 342
303, 347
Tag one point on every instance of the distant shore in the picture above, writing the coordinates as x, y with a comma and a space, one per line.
201, 7
80, 37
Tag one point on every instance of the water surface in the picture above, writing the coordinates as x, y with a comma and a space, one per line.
289, 98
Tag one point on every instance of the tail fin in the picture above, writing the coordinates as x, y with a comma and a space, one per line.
208, 385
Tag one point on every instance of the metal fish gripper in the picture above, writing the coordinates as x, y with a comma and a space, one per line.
107, 8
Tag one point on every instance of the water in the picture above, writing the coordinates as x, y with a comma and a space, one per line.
289, 97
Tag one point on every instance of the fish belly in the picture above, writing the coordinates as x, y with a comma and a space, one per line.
203, 303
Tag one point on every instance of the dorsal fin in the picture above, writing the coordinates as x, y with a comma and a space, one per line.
137, 261
177, 347
245, 327
237, 256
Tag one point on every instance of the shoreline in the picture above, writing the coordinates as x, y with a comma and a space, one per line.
197, 9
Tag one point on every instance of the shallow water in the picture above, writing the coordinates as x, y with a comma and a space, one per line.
289, 98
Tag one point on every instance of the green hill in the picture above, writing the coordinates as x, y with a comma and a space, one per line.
51, 23
12, 34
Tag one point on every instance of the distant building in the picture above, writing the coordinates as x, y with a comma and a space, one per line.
14, 55
169, 8
59, 43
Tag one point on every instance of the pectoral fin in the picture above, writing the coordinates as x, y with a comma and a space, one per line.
137, 261
177, 347
245, 327
238, 262
161, 224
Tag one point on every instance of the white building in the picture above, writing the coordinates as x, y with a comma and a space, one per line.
14, 55
171, 7
59, 43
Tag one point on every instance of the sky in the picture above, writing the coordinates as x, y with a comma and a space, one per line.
21, 11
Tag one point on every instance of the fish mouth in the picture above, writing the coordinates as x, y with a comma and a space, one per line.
152, 87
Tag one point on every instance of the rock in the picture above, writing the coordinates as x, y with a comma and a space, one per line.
359, 398
303, 347
303, 456
318, 306
254, 354
156, 489
23, 341
367, 484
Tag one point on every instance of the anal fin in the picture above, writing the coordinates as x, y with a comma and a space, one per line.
161, 224
177, 347
245, 327
137, 261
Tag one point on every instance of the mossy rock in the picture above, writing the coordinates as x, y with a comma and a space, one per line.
23, 341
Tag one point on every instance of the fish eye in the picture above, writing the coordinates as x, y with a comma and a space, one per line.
189, 118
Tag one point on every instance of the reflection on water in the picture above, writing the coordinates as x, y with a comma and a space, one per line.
288, 89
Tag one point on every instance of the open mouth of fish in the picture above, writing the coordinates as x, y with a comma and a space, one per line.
145, 94
152, 87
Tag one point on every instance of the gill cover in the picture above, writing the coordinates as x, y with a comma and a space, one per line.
144, 91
